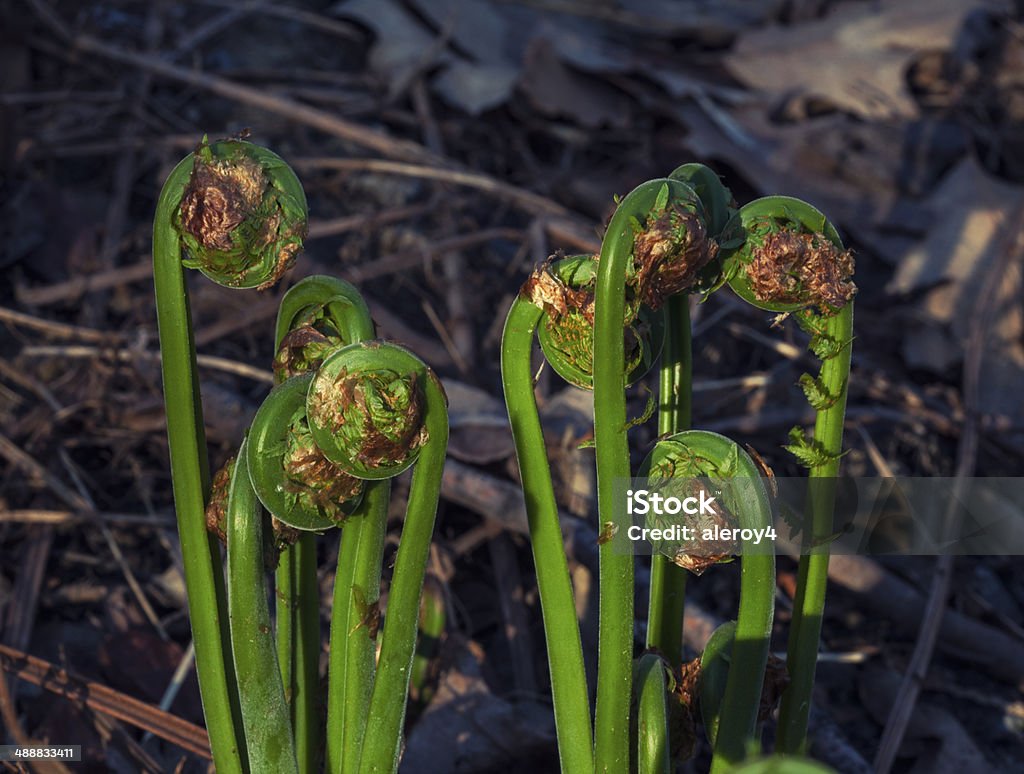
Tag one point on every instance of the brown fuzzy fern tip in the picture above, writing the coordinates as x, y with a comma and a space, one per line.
545, 290
794, 267
219, 197
217, 508
669, 254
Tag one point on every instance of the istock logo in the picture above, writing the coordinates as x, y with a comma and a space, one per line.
641, 502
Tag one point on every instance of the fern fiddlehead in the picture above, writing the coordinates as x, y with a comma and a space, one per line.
640, 219
318, 316
562, 633
666, 607
700, 455
787, 257
233, 209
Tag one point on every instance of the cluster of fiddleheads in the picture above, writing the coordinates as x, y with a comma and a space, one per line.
348, 413
601, 321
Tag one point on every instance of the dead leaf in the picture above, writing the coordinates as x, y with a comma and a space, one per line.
479, 29
971, 212
476, 88
479, 425
560, 91
709, 24
568, 419
859, 52
466, 728
842, 170
403, 46
967, 214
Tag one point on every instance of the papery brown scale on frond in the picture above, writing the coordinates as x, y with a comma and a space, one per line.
776, 680
294, 358
669, 254
794, 267
376, 448
217, 507
546, 291
219, 196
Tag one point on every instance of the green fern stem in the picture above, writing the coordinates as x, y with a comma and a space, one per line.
615, 651
353, 628
204, 578
265, 716
298, 590
812, 575
386, 714
558, 609
667, 604
653, 754
298, 644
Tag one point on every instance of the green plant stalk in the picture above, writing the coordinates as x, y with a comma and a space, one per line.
558, 609
666, 607
749, 654
204, 579
714, 675
265, 714
353, 643
286, 583
737, 727
350, 670
615, 650
653, 755
298, 644
778, 764
812, 575
297, 585
733, 731
346, 305
381, 744
433, 617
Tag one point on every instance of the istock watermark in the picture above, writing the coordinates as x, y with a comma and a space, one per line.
643, 502
698, 521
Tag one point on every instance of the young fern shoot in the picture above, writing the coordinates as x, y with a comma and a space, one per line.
786, 257
666, 607
328, 439
375, 410
558, 609
655, 246
697, 455
601, 321
270, 743
238, 213
347, 415
319, 315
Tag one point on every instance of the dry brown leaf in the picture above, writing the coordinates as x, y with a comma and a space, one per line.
479, 425
859, 52
466, 727
558, 90
971, 213
843, 169
476, 87
402, 46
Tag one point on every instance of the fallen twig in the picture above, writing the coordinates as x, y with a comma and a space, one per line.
100, 698
407, 259
78, 286
64, 518
132, 355
527, 200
